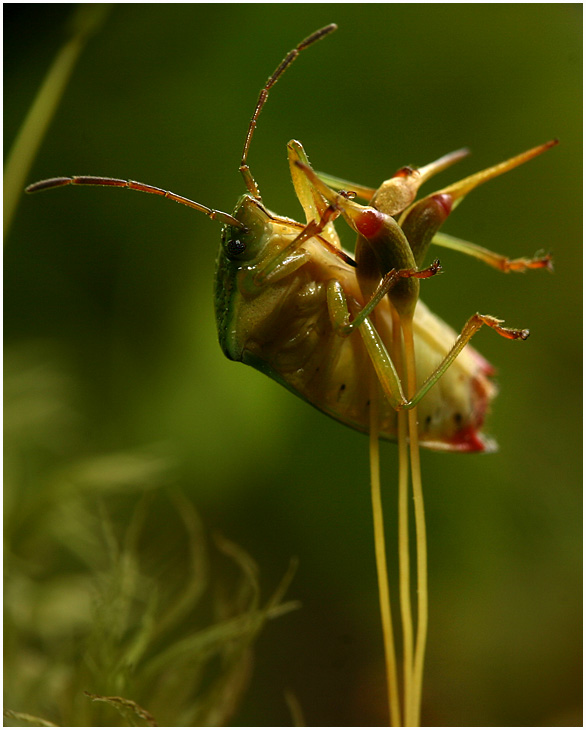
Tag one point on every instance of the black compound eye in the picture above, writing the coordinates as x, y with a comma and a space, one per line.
235, 247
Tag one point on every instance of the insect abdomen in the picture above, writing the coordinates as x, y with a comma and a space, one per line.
285, 332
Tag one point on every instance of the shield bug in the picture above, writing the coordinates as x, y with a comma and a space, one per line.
349, 334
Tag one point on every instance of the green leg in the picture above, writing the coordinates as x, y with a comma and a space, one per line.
256, 279
291, 258
469, 330
312, 202
340, 318
339, 313
381, 360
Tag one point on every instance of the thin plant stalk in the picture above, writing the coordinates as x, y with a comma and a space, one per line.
86, 21
403, 532
381, 561
420, 531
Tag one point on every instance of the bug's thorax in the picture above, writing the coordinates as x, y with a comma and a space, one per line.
284, 316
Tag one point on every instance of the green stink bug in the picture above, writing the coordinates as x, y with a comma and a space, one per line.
263, 253
348, 333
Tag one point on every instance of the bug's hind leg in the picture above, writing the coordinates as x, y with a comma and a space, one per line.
381, 360
496, 260
468, 331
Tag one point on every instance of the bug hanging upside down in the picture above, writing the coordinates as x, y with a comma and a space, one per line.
349, 334
278, 282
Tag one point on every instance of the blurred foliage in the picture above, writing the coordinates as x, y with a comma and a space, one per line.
114, 592
109, 333
85, 21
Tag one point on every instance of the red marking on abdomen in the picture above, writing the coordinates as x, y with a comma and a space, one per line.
467, 439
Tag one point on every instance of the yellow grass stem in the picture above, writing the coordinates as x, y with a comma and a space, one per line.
86, 20
414, 712
381, 559
403, 508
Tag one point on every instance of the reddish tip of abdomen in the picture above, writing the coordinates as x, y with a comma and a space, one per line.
470, 440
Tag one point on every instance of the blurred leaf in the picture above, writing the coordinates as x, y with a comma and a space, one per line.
127, 708
32, 719
87, 20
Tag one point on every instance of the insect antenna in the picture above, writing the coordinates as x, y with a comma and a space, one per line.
249, 181
58, 182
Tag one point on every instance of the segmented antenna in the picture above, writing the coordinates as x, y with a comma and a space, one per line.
252, 187
59, 182
249, 181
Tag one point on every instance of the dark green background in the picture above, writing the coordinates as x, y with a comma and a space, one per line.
117, 289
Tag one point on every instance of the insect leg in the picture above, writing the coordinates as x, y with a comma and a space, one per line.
339, 313
496, 260
386, 372
383, 365
468, 331
276, 267
312, 202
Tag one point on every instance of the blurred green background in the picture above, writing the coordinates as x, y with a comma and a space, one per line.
111, 351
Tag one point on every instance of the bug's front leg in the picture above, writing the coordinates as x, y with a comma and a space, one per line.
313, 204
292, 256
